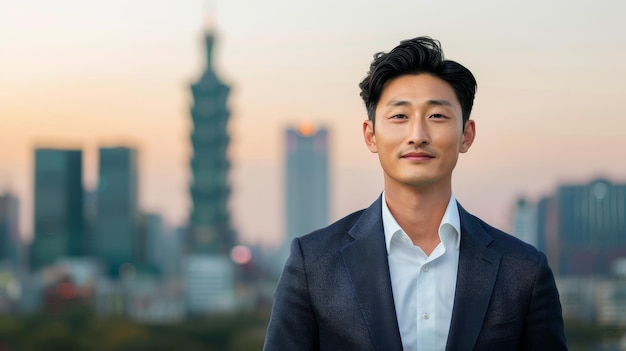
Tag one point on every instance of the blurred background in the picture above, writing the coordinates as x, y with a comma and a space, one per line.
157, 157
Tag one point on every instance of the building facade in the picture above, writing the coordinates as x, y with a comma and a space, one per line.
524, 221
10, 242
582, 227
117, 214
306, 186
307, 180
592, 226
209, 284
58, 206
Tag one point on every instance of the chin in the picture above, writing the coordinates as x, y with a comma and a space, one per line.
423, 181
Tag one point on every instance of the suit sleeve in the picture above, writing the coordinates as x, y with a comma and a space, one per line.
292, 324
543, 328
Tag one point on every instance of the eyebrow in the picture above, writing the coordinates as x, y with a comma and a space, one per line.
439, 103
394, 103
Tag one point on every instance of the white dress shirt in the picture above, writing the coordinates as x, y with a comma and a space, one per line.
423, 286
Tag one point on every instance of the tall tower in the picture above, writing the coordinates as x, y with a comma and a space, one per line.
210, 230
115, 237
307, 180
59, 221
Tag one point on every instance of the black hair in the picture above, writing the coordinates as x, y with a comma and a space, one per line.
416, 56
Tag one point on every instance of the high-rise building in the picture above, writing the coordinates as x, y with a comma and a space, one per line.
58, 206
591, 226
207, 268
306, 191
151, 242
307, 180
524, 219
10, 242
583, 227
210, 230
173, 243
542, 208
115, 232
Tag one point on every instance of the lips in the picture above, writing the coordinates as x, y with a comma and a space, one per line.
418, 156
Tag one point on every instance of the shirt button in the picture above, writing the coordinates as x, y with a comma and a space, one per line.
425, 315
425, 268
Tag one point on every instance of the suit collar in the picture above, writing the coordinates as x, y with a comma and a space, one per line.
471, 224
365, 259
476, 277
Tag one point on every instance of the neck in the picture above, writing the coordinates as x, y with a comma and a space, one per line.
419, 211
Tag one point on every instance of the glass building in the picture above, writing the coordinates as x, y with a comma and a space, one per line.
10, 242
582, 228
592, 226
58, 206
117, 218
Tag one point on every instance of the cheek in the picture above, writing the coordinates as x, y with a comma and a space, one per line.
453, 139
386, 150
387, 147
390, 137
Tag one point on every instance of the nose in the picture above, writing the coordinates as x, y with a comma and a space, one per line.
418, 132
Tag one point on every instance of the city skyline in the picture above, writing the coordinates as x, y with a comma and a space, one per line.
547, 108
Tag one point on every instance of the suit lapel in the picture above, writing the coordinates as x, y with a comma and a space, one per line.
476, 277
365, 259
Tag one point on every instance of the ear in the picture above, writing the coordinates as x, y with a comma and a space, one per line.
368, 135
468, 136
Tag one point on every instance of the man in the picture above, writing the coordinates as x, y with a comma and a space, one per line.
415, 271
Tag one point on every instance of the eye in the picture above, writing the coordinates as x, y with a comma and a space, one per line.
398, 116
438, 116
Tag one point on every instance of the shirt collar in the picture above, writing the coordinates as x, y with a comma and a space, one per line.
450, 223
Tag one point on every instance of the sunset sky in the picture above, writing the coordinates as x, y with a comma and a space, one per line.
549, 108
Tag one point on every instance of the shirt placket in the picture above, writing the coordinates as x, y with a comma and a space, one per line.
426, 307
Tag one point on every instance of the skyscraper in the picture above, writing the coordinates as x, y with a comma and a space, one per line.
542, 224
591, 226
10, 243
58, 206
207, 271
152, 247
582, 228
210, 230
524, 219
307, 180
115, 232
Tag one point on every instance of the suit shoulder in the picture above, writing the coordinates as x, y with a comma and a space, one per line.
333, 231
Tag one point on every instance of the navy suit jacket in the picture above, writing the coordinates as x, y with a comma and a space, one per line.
335, 292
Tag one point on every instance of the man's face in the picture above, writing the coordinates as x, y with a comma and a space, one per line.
419, 132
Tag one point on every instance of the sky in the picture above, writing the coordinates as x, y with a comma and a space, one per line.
549, 107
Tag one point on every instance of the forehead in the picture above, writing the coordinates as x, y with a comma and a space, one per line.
418, 88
